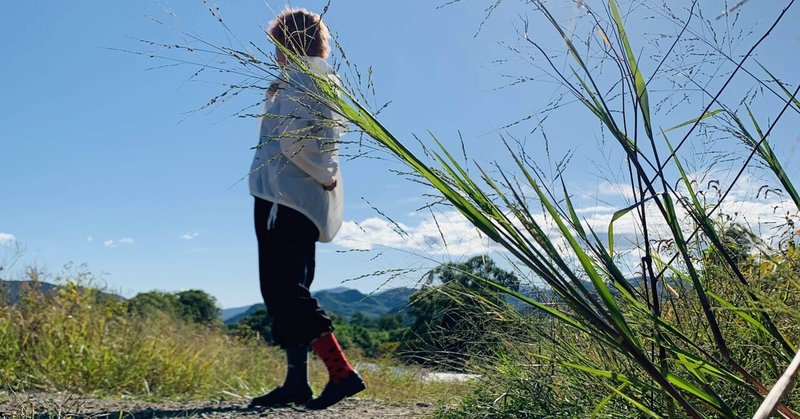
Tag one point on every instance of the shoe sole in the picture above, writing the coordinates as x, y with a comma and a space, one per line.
361, 387
355, 390
258, 406
282, 404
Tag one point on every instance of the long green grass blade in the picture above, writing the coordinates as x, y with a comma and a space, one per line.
768, 156
573, 215
588, 266
708, 114
616, 216
635, 73
637, 404
558, 314
795, 101
709, 399
605, 400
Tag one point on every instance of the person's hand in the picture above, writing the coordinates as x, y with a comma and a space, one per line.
273, 88
330, 187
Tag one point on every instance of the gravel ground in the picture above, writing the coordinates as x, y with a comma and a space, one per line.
55, 405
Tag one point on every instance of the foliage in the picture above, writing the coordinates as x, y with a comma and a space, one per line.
452, 309
656, 358
153, 302
707, 329
548, 369
373, 337
198, 307
465, 274
258, 323
81, 344
71, 342
193, 306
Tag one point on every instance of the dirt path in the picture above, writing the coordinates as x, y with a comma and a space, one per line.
49, 405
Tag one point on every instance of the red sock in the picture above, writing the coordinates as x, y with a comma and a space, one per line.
328, 349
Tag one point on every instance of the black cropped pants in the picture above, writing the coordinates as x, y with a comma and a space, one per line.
286, 270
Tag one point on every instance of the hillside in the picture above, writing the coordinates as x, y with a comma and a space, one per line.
12, 291
343, 302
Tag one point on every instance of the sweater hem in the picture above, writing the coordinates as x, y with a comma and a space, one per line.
296, 208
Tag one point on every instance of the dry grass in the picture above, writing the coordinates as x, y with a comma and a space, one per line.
81, 342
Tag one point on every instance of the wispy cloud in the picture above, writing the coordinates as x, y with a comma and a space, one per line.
6, 238
189, 235
119, 242
89, 239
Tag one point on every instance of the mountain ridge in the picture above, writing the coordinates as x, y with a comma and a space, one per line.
341, 301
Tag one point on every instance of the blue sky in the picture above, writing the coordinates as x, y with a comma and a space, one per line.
102, 164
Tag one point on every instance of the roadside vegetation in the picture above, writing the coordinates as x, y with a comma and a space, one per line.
81, 340
696, 315
705, 330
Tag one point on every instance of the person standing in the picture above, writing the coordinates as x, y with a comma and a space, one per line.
296, 181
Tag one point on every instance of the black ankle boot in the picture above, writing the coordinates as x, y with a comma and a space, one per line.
282, 396
335, 392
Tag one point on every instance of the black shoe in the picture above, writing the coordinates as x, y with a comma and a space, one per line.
282, 396
335, 392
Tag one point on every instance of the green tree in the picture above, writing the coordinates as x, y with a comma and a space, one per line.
197, 306
390, 322
194, 306
259, 321
450, 314
153, 302
465, 274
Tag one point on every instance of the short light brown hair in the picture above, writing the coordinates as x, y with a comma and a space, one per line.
302, 32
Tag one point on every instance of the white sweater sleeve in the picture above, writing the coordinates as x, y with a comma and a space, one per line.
306, 139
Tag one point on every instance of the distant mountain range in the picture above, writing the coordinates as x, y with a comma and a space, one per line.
12, 291
343, 302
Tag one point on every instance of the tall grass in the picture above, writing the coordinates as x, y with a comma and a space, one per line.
82, 341
669, 354
697, 335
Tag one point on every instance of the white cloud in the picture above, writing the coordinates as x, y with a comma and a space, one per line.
189, 235
761, 215
460, 237
119, 242
614, 190
6, 238
89, 238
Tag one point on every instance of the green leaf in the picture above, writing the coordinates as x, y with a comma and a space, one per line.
789, 95
588, 267
639, 405
710, 399
617, 215
606, 399
638, 79
693, 120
